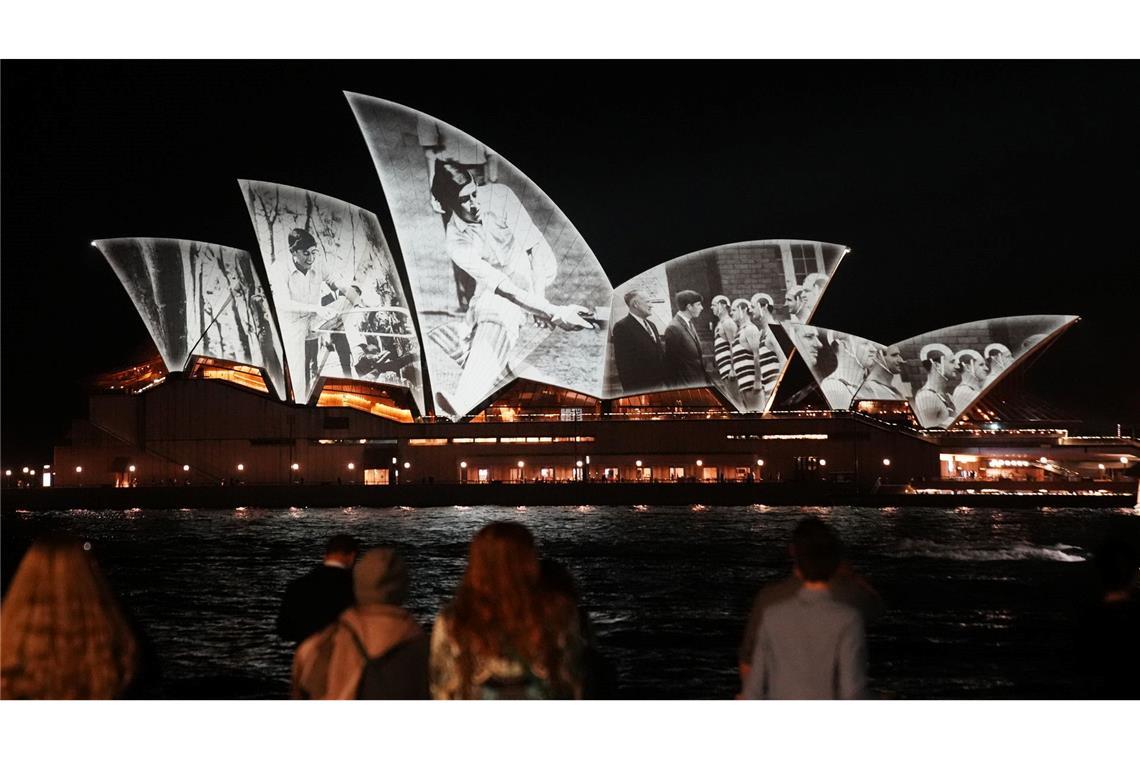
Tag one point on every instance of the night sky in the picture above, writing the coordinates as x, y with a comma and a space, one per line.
966, 190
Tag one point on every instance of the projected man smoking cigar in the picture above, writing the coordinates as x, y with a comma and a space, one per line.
491, 237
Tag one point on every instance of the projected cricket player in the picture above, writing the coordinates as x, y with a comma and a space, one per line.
310, 292
491, 237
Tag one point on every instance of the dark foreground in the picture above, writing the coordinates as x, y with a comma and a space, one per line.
981, 600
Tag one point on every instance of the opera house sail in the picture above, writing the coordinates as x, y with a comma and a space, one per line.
199, 299
716, 318
504, 286
337, 293
941, 374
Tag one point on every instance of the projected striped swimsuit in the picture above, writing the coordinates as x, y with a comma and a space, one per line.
746, 364
722, 354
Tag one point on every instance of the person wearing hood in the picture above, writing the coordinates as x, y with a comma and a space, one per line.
375, 649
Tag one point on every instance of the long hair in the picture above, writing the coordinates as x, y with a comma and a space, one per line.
64, 633
500, 609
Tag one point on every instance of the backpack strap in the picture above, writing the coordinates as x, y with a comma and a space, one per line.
356, 640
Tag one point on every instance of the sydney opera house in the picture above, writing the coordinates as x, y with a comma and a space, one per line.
487, 344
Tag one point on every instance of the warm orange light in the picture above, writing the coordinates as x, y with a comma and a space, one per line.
131, 468
247, 379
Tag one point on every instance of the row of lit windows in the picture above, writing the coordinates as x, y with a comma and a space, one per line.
504, 439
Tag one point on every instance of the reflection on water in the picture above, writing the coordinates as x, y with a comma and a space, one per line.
978, 598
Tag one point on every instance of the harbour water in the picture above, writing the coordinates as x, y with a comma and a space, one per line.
981, 601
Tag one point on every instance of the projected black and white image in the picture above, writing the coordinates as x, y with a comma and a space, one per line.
940, 373
846, 366
336, 290
198, 299
716, 318
504, 285
946, 370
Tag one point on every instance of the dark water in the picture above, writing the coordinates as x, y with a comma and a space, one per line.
981, 600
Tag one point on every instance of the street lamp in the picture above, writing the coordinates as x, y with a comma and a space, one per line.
522, 464
823, 463
352, 465
240, 467
407, 465
294, 467
1124, 460
185, 468
886, 463
131, 468
700, 463
78, 469
759, 462
638, 463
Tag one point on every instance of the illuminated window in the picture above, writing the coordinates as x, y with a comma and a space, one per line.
376, 477
427, 441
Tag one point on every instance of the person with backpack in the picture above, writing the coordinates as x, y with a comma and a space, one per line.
375, 649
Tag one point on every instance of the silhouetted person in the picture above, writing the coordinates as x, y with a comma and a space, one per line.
847, 587
65, 635
599, 676
810, 646
316, 598
1108, 644
374, 649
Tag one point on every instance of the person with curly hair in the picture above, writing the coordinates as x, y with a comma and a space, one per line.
503, 636
65, 634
